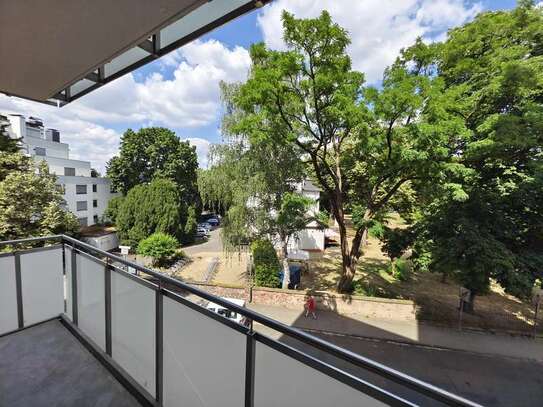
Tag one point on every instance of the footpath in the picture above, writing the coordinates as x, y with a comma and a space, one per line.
414, 333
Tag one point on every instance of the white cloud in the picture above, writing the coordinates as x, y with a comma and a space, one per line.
202, 149
190, 98
378, 28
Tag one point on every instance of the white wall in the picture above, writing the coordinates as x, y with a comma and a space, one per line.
102, 196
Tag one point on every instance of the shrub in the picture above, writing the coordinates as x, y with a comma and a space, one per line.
151, 208
266, 264
400, 269
160, 246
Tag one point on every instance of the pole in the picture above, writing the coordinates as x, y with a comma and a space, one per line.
535, 318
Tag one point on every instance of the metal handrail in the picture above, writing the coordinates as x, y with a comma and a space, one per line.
396, 376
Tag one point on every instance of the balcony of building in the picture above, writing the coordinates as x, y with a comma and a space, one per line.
76, 329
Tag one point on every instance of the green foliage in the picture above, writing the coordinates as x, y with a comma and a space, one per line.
359, 287
113, 208
7, 144
154, 152
31, 202
400, 269
247, 179
397, 241
266, 264
191, 225
151, 208
364, 146
484, 219
160, 246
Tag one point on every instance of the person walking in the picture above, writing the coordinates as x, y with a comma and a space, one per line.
310, 307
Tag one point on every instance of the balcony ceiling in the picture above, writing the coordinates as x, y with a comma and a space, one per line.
58, 50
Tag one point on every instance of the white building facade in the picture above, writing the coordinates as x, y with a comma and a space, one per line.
310, 239
86, 197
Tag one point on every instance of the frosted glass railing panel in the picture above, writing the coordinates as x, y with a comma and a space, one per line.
42, 283
68, 282
204, 360
8, 295
283, 381
197, 19
133, 329
91, 299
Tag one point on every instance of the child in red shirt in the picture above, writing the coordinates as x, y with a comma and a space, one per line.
310, 307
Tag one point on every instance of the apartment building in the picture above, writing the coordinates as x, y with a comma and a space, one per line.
86, 196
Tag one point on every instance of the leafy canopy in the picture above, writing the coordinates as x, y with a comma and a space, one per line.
150, 153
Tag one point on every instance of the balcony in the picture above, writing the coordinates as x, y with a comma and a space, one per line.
77, 329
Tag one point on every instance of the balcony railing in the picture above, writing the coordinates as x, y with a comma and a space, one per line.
168, 350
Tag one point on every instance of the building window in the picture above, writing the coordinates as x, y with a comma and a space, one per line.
55, 136
39, 151
80, 189
69, 171
81, 205
94, 188
95, 219
95, 203
83, 221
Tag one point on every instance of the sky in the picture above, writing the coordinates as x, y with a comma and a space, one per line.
181, 90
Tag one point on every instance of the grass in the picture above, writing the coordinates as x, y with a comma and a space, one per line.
436, 300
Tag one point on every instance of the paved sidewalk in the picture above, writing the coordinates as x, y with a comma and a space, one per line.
408, 332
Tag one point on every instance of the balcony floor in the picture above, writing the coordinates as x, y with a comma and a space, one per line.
46, 365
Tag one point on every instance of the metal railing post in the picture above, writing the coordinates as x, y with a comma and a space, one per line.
159, 346
107, 291
250, 368
19, 289
74, 286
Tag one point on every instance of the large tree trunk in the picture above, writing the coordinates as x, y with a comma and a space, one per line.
347, 270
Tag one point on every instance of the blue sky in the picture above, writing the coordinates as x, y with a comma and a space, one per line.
180, 90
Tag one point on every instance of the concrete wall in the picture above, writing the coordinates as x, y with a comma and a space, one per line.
107, 242
370, 307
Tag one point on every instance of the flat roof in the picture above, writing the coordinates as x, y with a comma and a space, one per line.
55, 51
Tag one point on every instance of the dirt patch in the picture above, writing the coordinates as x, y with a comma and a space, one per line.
436, 300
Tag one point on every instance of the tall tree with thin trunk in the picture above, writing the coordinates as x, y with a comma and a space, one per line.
363, 146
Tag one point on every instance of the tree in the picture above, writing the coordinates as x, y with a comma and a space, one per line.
7, 144
154, 152
151, 208
159, 246
487, 223
113, 208
363, 146
31, 202
247, 180
191, 225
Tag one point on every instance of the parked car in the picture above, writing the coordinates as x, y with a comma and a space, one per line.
227, 313
201, 232
205, 226
214, 222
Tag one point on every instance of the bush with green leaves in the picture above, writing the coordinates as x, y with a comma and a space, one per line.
160, 246
400, 269
150, 208
266, 264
